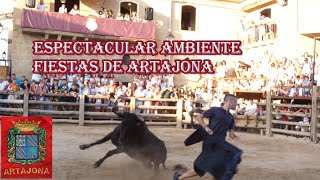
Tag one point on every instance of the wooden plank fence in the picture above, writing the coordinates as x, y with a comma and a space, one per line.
170, 112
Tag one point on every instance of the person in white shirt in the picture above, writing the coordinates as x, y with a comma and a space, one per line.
251, 111
63, 9
75, 10
306, 69
41, 6
139, 93
120, 16
3, 85
148, 94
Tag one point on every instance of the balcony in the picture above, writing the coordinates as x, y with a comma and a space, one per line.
40, 21
259, 35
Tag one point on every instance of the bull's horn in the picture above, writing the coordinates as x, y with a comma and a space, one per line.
140, 118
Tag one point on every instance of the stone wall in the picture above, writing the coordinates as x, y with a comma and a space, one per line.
215, 20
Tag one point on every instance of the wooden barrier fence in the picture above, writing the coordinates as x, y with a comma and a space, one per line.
163, 112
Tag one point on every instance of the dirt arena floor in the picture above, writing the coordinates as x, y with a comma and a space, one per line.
272, 158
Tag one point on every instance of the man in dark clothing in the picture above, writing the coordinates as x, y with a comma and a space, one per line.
218, 157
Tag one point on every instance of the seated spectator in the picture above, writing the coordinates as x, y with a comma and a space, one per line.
63, 9
126, 17
251, 111
75, 10
41, 6
110, 14
134, 16
120, 16
306, 83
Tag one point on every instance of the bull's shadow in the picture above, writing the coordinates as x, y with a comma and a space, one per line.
133, 137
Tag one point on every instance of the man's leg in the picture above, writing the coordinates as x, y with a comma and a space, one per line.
255, 119
233, 161
246, 119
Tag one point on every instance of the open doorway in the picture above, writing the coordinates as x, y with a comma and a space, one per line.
128, 7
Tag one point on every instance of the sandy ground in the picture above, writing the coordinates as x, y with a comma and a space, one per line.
272, 158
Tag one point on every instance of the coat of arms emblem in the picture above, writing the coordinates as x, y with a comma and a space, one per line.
26, 142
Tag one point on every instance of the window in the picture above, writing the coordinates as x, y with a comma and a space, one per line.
188, 18
128, 8
266, 13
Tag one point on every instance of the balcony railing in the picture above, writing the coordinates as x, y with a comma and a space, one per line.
87, 25
260, 33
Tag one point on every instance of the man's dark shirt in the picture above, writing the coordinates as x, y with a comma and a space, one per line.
220, 122
24, 87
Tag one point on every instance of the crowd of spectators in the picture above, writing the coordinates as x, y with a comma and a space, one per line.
105, 13
107, 90
257, 31
288, 77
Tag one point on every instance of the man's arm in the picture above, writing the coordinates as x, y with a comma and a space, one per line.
199, 118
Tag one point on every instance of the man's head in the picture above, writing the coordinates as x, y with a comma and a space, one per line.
1, 79
230, 101
13, 76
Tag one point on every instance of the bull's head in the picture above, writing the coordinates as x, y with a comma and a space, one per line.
131, 126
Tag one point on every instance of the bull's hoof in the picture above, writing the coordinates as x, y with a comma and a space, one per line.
83, 146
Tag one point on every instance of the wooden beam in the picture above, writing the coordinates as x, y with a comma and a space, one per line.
59, 37
290, 123
12, 110
269, 113
256, 5
158, 107
179, 113
299, 133
11, 101
26, 104
81, 110
292, 105
133, 105
314, 115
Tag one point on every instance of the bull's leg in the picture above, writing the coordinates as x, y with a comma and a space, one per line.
110, 153
156, 167
100, 141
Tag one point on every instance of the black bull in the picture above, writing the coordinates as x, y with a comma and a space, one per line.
133, 137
